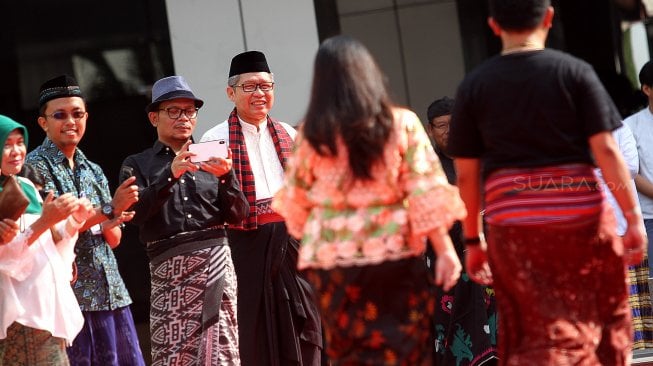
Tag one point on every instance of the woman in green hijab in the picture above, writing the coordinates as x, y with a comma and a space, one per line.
39, 313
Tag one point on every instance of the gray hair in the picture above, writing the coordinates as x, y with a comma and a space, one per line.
233, 80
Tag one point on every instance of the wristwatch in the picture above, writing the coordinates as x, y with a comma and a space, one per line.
107, 210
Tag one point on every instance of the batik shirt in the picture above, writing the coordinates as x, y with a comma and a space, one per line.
345, 222
99, 285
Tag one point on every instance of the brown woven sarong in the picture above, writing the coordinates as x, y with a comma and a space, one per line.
34, 347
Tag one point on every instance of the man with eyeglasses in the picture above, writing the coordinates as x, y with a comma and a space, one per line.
464, 313
277, 319
181, 215
439, 117
109, 336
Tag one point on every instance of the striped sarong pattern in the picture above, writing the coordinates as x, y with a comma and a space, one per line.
556, 194
193, 309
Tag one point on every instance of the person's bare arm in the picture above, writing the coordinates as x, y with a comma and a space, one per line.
112, 229
469, 184
447, 265
644, 186
126, 195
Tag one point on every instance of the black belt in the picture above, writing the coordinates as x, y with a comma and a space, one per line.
185, 242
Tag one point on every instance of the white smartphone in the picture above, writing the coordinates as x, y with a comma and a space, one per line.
208, 149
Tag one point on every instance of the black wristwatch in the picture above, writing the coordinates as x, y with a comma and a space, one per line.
107, 210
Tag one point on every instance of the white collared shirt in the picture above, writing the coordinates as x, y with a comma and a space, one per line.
628, 148
35, 288
641, 125
263, 157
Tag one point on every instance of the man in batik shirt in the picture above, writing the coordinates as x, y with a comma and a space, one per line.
109, 336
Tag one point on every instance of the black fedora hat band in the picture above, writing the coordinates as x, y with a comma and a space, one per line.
175, 94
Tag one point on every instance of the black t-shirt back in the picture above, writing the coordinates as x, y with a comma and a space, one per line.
530, 109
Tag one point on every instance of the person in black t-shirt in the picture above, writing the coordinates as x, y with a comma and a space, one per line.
533, 122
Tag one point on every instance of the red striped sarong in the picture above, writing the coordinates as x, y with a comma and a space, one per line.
559, 277
566, 193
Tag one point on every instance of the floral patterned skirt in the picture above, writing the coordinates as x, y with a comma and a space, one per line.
376, 314
465, 320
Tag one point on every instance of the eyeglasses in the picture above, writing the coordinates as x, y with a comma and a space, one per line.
175, 112
63, 116
251, 87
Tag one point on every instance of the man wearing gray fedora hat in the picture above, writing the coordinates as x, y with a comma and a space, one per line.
278, 321
181, 215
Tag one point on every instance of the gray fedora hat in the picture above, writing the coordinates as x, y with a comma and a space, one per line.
171, 87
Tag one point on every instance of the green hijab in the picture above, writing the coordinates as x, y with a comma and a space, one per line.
6, 126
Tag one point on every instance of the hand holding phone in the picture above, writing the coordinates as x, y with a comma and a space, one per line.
204, 151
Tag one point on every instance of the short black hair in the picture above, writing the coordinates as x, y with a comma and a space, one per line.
646, 74
32, 174
518, 15
440, 107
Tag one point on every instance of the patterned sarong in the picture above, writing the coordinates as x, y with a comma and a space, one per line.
376, 314
640, 303
109, 338
28, 346
544, 195
559, 277
185, 290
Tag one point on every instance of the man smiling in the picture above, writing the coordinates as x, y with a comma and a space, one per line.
109, 336
275, 310
181, 216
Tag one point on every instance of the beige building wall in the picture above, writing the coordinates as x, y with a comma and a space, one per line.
206, 34
416, 42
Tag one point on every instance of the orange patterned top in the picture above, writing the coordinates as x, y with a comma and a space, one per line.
343, 222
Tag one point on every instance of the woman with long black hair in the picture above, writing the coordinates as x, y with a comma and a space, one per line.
363, 191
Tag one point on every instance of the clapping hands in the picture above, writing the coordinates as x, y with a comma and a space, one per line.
8, 230
83, 211
57, 209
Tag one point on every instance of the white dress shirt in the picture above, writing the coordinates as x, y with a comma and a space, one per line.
641, 125
263, 157
35, 288
626, 142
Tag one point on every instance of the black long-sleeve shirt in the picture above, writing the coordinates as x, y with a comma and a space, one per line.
169, 205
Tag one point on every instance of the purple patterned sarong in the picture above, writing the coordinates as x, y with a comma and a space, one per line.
108, 338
